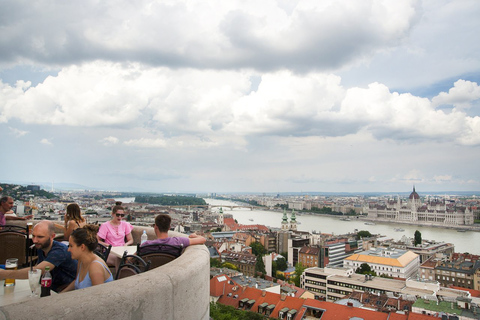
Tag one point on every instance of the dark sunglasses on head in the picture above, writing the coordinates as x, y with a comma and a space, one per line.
120, 214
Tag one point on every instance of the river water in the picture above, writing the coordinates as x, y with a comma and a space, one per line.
464, 241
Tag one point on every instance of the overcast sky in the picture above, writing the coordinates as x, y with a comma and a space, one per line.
241, 96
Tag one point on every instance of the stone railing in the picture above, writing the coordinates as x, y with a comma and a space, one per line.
177, 290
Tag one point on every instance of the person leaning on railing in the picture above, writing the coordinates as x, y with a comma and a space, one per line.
92, 270
162, 225
6, 212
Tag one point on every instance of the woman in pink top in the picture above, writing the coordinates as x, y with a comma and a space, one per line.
115, 232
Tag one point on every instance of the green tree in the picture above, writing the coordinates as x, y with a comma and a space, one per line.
418, 238
259, 265
215, 263
281, 264
363, 234
365, 269
299, 268
258, 249
222, 312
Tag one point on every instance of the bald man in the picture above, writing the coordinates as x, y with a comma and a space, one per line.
51, 253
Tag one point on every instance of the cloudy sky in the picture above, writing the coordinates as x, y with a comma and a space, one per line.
241, 96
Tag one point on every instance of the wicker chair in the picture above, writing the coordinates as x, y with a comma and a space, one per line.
159, 254
14, 243
103, 251
131, 265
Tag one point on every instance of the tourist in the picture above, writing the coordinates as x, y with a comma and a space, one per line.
92, 270
50, 253
73, 220
6, 212
114, 232
162, 225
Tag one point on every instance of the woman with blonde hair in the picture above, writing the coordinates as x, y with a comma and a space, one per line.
91, 269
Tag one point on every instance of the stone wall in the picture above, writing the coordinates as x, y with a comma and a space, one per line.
177, 290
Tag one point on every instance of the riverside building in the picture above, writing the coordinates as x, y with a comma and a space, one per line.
433, 212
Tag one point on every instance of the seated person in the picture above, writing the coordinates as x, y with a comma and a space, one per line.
50, 253
114, 232
92, 270
73, 220
162, 225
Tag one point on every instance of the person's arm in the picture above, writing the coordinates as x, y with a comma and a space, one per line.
101, 241
196, 239
129, 239
70, 287
60, 226
17, 218
23, 273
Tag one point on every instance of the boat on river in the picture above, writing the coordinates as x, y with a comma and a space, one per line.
399, 229
370, 223
345, 219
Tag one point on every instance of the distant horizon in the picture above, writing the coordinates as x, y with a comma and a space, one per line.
65, 186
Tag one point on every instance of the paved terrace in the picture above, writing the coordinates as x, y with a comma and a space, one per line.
177, 290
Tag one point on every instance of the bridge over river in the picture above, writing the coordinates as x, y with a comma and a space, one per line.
210, 206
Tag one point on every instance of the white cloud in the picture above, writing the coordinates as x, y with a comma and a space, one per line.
220, 106
146, 143
461, 95
17, 132
46, 142
108, 141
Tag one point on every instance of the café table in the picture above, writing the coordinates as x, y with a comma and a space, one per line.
118, 251
18, 293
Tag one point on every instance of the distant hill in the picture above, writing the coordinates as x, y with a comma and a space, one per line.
19, 192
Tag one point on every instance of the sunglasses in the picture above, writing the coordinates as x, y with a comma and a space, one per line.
120, 214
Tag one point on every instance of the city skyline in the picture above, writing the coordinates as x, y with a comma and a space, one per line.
281, 96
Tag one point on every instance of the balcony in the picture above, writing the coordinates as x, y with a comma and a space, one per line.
177, 290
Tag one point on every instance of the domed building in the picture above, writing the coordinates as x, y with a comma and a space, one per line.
435, 212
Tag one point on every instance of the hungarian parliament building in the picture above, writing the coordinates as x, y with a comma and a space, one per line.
434, 212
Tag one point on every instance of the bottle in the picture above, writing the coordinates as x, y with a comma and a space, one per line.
143, 237
46, 282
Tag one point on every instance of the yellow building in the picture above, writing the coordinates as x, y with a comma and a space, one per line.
394, 263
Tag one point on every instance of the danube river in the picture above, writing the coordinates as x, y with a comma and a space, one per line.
463, 241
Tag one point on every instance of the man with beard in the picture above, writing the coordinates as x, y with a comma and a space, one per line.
50, 253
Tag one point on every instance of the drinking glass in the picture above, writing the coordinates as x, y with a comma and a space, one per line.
10, 264
34, 281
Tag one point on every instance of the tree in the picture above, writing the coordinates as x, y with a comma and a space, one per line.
258, 249
299, 268
363, 234
281, 264
259, 265
418, 238
215, 263
365, 269
229, 266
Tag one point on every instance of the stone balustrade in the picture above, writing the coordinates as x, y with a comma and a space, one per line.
177, 290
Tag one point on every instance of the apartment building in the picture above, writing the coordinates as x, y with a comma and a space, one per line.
333, 283
390, 262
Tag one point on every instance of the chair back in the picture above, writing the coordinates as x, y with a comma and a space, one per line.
131, 265
159, 254
103, 251
14, 243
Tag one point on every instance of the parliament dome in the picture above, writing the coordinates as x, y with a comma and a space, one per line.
414, 195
